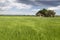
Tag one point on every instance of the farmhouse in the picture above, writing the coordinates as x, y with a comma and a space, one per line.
39, 14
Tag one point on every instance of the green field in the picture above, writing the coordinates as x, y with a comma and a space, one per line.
29, 28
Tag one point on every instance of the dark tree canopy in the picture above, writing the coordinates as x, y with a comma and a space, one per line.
46, 13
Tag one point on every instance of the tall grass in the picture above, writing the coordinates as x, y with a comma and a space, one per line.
29, 28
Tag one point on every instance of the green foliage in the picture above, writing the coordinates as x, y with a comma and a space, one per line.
29, 28
46, 13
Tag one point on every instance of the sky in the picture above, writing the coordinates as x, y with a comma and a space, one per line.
27, 7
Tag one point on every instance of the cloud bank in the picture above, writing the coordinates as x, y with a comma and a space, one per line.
44, 2
54, 8
8, 4
27, 4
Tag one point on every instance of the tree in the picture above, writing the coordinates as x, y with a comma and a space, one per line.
51, 13
41, 12
46, 13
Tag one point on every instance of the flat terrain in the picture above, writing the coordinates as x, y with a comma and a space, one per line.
29, 28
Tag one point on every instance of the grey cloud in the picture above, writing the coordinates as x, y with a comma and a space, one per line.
6, 3
48, 0
50, 3
38, 2
26, 2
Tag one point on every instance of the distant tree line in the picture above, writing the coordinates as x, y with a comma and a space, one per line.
46, 13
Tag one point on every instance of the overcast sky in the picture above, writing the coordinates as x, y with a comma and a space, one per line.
27, 7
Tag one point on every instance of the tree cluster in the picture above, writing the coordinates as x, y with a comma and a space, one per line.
46, 13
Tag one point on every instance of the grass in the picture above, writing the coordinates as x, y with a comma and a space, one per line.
29, 28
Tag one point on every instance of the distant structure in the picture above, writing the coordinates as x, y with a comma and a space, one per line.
39, 14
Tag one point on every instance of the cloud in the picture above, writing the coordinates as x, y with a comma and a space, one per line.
39, 2
26, 4
22, 6
54, 8
2, 1
5, 8
48, 3
8, 4
48, 0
